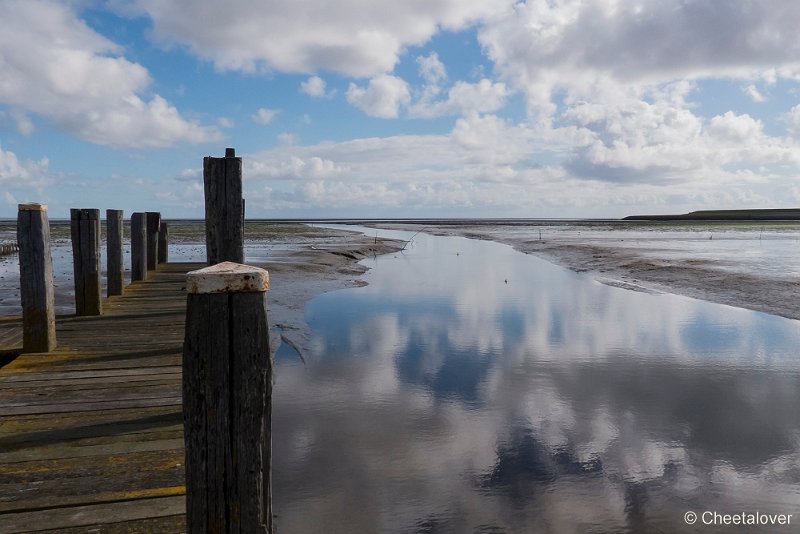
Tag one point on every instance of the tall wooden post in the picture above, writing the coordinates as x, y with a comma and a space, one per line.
115, 268
85, 230
138, 247
153, 221
227, 392
163, 243
36, 279
222, 178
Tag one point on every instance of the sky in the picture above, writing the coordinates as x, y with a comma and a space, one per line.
417, 108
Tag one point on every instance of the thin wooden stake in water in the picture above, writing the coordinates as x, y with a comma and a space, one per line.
36, 279
227, 392
115, 268
85, 230
222, 178
138, 247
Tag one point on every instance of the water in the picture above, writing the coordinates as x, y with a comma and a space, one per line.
472, 388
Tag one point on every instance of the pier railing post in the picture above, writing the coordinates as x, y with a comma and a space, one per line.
227, 391
138, 247
222, 178
153, 221
85, 231
115, 268
163, 243
36, 279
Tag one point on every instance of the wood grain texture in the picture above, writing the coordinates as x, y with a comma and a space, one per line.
91, 435
153, 222
138, 247
222, 179
115, 266
36, 281
163, 243
227, 384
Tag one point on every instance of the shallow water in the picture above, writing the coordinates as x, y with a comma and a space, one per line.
472, 388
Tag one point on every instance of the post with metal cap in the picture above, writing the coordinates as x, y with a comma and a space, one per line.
153, 221
85, 230
163, 243
227, 395
222, 179
36, 279
138, 247
115, 268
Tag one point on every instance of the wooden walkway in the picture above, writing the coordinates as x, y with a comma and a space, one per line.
91, 435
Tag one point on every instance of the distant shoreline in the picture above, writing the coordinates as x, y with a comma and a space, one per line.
791, 214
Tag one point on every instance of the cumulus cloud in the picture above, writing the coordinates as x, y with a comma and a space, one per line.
352, 37
80, 82
314, 87
463, 98
431, 69
23, 174
383, 97
264, 115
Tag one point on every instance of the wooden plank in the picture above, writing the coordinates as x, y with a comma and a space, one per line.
59, 519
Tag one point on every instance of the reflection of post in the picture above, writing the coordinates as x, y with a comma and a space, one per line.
222, 178
163, 243
85, 230
36, 279
227, 391
153, 221
114, 265
138, 247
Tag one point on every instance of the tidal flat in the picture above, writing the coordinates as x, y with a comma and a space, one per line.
752, 265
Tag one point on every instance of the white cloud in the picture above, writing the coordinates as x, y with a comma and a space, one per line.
314, 87
264, 115
464, 98
383, 97
753, 92
57, 67
431, 69
225, 122
352, 37
23, 174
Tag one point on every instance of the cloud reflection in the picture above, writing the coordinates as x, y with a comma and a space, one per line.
471, 388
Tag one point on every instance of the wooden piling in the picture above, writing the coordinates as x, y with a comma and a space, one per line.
227, 391
222, 178
85, 231
115, 268
163, 243
153, 221
138, 247
36, 279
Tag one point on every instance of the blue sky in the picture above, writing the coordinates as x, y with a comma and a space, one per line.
484, 108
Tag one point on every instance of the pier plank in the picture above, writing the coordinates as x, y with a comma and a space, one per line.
91, 433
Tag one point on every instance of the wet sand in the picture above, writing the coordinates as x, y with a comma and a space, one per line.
642, 269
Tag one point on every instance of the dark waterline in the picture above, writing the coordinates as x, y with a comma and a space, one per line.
472, 388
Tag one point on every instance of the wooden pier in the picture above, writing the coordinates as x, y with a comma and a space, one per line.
91, 434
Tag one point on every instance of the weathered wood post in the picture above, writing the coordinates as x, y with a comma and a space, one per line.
115, 268
227, 392
153, 221
85, 231
163, 243
138, 247
222, 178
36, 279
